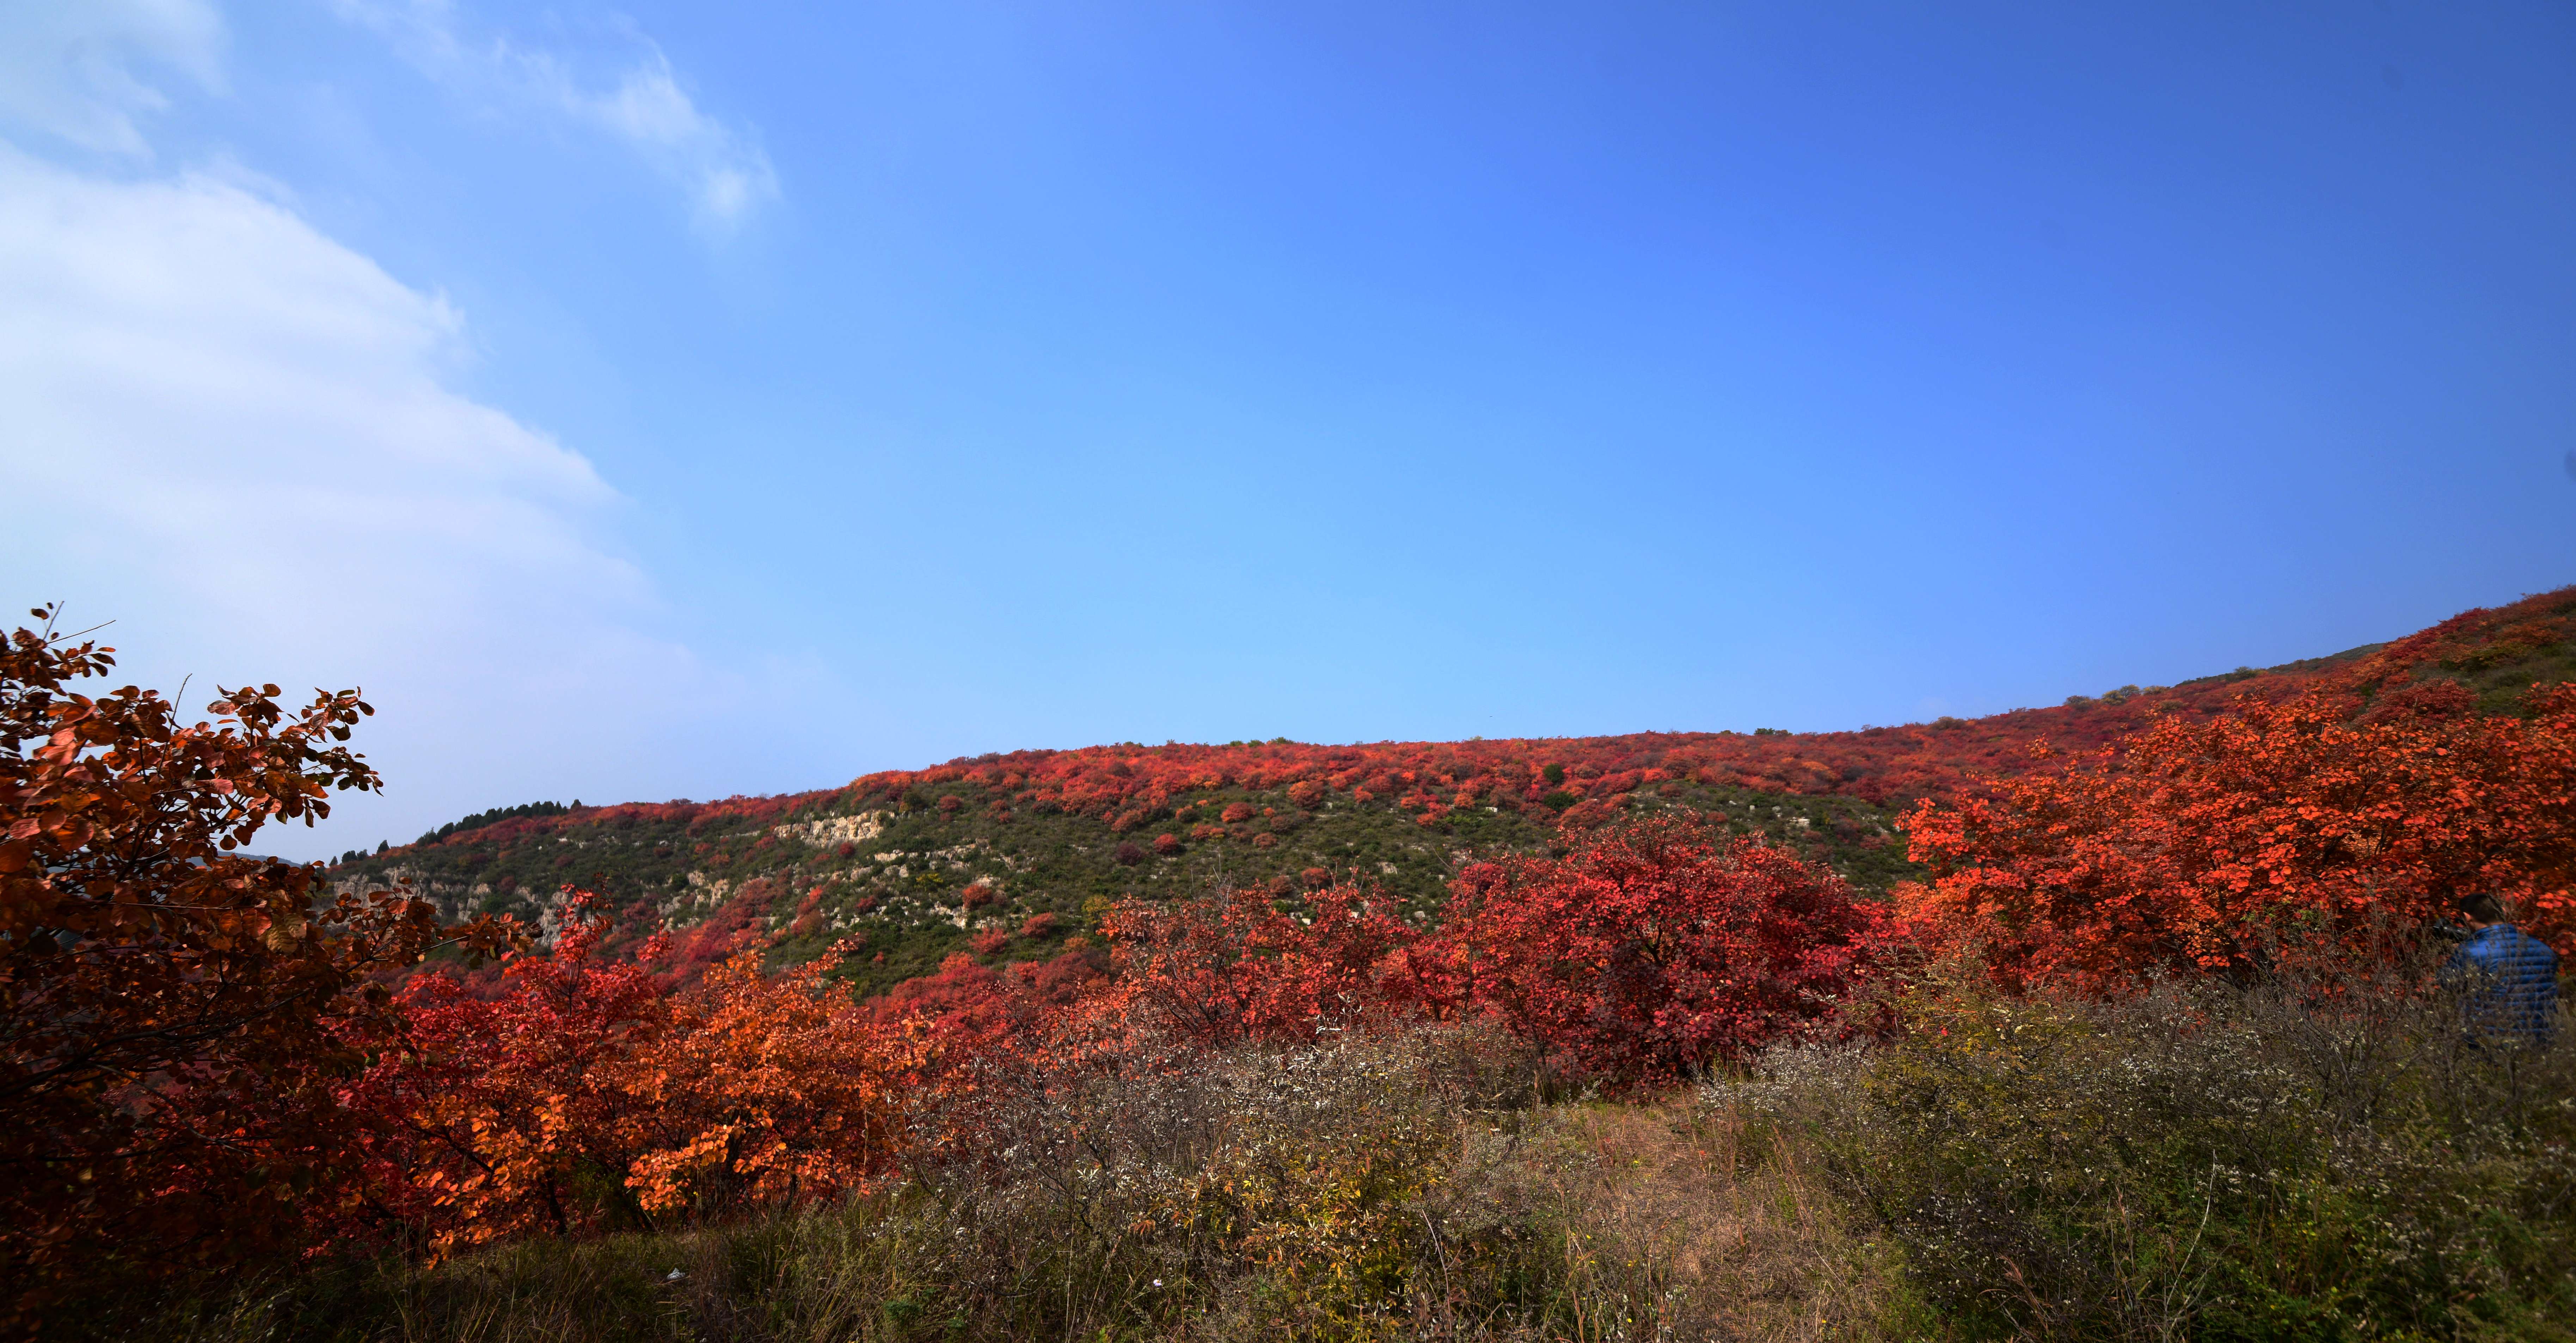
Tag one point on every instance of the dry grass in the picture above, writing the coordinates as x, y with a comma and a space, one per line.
1393, 1189
1685, 1221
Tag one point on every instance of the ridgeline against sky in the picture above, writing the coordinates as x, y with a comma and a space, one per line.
655, 400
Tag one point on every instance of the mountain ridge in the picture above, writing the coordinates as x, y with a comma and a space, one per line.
1009, 856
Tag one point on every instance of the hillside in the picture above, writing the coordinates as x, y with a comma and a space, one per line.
1007, 856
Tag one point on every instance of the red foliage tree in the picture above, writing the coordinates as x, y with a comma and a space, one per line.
1652, 951
1224, 969
589, 1096
1645, 955
2283, 827
173, 1013
970, 1008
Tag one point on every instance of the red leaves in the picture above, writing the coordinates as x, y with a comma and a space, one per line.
177, 1012
494, 1118
1653, 951
1229, 968
1645, 955
2285, 829
968, 1007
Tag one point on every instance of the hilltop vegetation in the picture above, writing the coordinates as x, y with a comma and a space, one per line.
2150, 1038
1005, 856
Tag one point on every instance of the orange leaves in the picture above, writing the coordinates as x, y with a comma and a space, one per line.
2281, 829
587, 1097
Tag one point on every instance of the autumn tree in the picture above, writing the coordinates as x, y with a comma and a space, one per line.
1643, 955
174, 1013
1655, 949
591, 1095
2296, 828
1223, 969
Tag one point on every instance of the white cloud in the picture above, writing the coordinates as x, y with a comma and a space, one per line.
66, 66
242, 440
639, 103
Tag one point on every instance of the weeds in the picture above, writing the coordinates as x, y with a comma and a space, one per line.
1403, 1187
2279, 1159
2276, 1159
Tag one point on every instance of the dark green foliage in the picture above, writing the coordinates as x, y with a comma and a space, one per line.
493, 817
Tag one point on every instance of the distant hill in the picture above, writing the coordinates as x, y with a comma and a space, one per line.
1005, 856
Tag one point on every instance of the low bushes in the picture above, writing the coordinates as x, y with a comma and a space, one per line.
1395, 1187
2272, 1159
2268, 1160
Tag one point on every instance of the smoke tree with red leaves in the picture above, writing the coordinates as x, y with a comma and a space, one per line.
1223, 969
2297, 828
1646, 954
589, 1096
1652, 951
174, 1014
484, 1113
969, 1008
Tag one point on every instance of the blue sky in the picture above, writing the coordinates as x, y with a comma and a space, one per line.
680, 400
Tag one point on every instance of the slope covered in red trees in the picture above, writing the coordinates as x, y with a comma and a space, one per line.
326, 1087
2496, 653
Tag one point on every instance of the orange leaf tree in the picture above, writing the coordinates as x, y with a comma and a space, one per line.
588, 1095
173, 1013
2293, 826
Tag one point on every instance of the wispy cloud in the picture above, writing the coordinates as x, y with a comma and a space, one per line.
245, 442
624, 88
68, 67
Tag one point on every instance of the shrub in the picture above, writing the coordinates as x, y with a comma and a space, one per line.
1227, 969
2273, 1158
586, 1097
1654, 951
2281, 828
